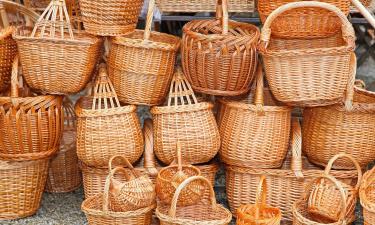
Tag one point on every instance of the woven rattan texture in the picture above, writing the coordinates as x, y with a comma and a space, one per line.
8, 50
367, 197
203, 5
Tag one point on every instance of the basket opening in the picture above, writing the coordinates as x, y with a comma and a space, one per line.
87, 102
269, 99
169, 172
154, 37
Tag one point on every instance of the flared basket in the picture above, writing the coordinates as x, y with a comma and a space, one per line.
166, 6
367, 196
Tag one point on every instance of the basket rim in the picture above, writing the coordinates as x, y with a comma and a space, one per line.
181, 108
55, 99
253, 107
365, 203
159, 176
10, 164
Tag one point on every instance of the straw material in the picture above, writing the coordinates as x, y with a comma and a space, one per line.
187, 121
286, 184
291, 64
105, 127
304, 22
255, 130
206, 212
22, 185
203, 5
141, 64
367, 197
8, 50
219, 57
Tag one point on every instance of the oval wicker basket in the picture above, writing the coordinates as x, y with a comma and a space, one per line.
219, 57
367, 196
291, 64
105, 127
254, 131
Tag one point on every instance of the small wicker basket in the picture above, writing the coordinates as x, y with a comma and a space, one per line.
367, 197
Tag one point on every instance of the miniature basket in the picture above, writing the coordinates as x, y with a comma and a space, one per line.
187, 121
254, 131
207, 211
141, 64
55, 60
235, 6
325, 197
219, 57
105, 127
367, 197
260, 212
29, 126
64, 174
291, 64
286, 184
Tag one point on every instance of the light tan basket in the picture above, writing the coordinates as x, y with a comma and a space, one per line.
166, 6
367, 197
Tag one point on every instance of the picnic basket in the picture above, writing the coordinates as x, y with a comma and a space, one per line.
255, 131
54, 59
184, 6
186, 120
219, 56
367, 197
207, 211
106, 128
289, 63
259, 212
141, 64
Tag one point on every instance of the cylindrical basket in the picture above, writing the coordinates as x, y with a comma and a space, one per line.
166, 6
291, 64
219, 57
254, 131
367, 196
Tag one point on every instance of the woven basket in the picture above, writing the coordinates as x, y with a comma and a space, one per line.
207, 211
141, 64
63, 173
291, 64
22, 185
219, 56
105, 127
367, 196
55, 60
286, 184
254, 131
166, 6
260, 212
187, 121
29, 126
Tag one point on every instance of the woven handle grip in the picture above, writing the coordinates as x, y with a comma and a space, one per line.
223, 15
149, 156
261, 196
149, 19
362, 9
259, 91
125, 162
296, 164
14, 78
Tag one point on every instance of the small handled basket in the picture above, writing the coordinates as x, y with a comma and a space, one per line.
291, 64
166, 6
325, 198
141, 64
54, 59
260, 212
185, 120
207, 211
105, 127
367, 197
219, 57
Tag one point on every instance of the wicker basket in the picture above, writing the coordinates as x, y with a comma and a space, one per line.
105, 127
254, 131
141, 64
291, 64
286, 184
54, 60
260, 212
187, 121
184, 6
29, 126
207, 211
219, 57
64, 174
367, 196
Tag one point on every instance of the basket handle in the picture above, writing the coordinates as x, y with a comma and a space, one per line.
126, 163
223, 15
261, 196
360, 84
347, 28
349, 95
180, 90
344, 155
259, 91
296, 164
149, 156
149, 19
14, 78
172, 210
365, 13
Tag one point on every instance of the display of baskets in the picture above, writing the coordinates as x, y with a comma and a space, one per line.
207, 211
254, 131
105, 127
167, 6
367, 196
291, 64
141, 64
219, 56
186, 120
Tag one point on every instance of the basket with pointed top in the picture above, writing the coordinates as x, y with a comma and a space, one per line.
56, 60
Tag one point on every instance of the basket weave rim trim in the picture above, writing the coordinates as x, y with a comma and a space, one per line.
181, 108
6, 32
6, 165
26, 103
124, 40
365, 203
159, 177
80, 112
29, 156
317, 51
253, 107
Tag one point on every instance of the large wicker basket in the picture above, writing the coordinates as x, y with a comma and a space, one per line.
185, 6
219, 56
254, 131
367, 196
291, 65
105, 127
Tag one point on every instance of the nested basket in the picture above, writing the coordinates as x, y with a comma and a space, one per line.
185, 120
259, 213
255, 131
105, 127
286, 184
64, 174
206, 211
219, 57
367, 196
30, 126
54, 59
166, 6
141, 64
309, 72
